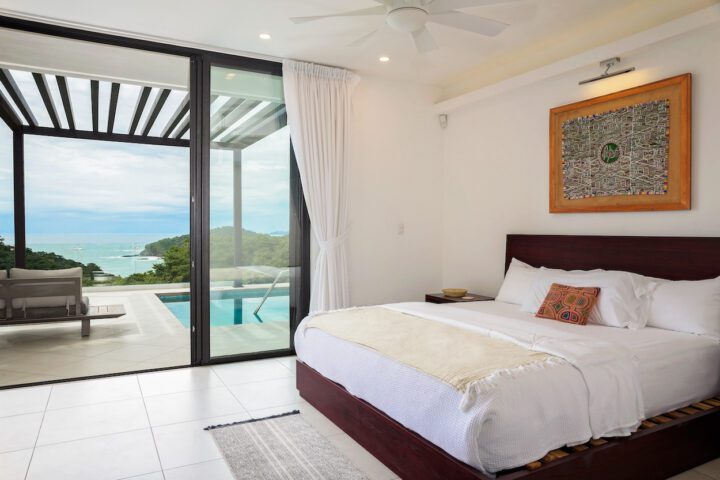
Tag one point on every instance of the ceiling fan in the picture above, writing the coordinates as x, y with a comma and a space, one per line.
411, 16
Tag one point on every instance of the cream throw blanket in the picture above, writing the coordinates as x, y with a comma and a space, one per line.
469, 361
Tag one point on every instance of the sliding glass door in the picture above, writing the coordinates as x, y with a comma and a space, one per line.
251, 259
164, 178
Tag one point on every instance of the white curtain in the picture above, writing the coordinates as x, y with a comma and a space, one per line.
318, 102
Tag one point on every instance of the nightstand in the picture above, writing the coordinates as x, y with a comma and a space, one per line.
440, 298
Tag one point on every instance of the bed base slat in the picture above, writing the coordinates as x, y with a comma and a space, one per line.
665, 418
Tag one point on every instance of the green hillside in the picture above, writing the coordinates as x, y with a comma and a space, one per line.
257, 248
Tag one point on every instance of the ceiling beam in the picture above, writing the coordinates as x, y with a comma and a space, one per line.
8, 114
155, 110
103, 136
139, 107
65, 97
112, 107
95, 104
14, 91
182, 109
42, 86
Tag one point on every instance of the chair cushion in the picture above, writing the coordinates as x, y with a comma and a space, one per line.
43, 302
30, 274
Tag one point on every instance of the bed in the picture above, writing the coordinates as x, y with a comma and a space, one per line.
413, 424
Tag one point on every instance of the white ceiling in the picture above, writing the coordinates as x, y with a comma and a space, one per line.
540, 31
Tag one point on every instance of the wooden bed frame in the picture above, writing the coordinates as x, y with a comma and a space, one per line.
665, 445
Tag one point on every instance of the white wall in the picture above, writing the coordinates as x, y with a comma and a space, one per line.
495, 163
395, 178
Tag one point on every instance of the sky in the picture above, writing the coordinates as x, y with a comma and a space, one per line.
86, 187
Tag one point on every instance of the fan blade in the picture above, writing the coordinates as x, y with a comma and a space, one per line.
470, 23
424, 41
361, 41
379, 10
439, 6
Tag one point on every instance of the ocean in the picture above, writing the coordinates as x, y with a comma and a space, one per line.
109, 251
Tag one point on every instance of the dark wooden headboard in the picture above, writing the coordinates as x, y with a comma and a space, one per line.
673, 258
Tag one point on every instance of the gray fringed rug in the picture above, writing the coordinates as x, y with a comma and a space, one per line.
281, 447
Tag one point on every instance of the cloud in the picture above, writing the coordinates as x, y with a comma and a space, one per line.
68, 175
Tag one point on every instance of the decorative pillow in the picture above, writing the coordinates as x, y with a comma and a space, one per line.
623, 302
518, 282
568, 304
687, 306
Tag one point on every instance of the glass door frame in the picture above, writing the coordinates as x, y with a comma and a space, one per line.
299, 222
199, 86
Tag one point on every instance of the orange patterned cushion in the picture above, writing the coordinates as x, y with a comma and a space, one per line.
568, 304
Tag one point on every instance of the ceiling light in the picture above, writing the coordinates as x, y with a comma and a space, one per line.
384, 59
265, 36
229, 76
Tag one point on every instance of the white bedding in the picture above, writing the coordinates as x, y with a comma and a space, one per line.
533, 413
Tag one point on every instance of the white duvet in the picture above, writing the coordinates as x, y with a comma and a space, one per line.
597, 390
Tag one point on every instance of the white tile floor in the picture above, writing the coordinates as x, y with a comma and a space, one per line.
150, 426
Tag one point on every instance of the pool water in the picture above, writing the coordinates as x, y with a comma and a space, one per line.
234, 307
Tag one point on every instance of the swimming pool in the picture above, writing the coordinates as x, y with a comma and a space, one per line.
234, 307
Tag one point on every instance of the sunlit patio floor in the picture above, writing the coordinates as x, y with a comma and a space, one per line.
147, 337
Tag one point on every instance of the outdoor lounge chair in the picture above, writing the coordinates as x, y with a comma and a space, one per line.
43, 296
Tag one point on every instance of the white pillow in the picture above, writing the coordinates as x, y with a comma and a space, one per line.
517, 283
687, 306
623, 301
3, 274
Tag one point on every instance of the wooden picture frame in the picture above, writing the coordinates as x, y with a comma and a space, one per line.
571, 188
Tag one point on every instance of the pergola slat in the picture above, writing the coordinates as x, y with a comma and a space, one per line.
65, 97
139, 107
222, 113
269, 113
277, 114
42, 86
184, 127
182, 109
8, 114
14, 91
229, 120
155, 110
95, 101
112, 107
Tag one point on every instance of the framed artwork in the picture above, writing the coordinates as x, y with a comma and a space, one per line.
626, 151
